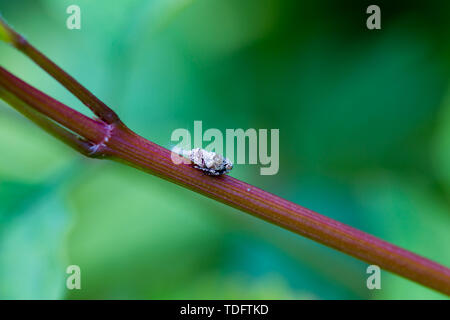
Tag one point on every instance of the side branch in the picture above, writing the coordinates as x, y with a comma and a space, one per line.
69, 138
91, 101
73, 120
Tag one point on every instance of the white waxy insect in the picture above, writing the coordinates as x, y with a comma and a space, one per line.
210, 162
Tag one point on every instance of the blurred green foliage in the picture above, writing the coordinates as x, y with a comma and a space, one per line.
364, 119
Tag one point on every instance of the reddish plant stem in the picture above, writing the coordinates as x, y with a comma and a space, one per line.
69, 138
126, 146
90, 100
84, 126
111, 138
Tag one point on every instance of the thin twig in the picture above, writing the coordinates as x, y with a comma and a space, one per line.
84, 126
69, 138
84, 95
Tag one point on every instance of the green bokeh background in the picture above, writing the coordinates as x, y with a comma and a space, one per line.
364, 119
